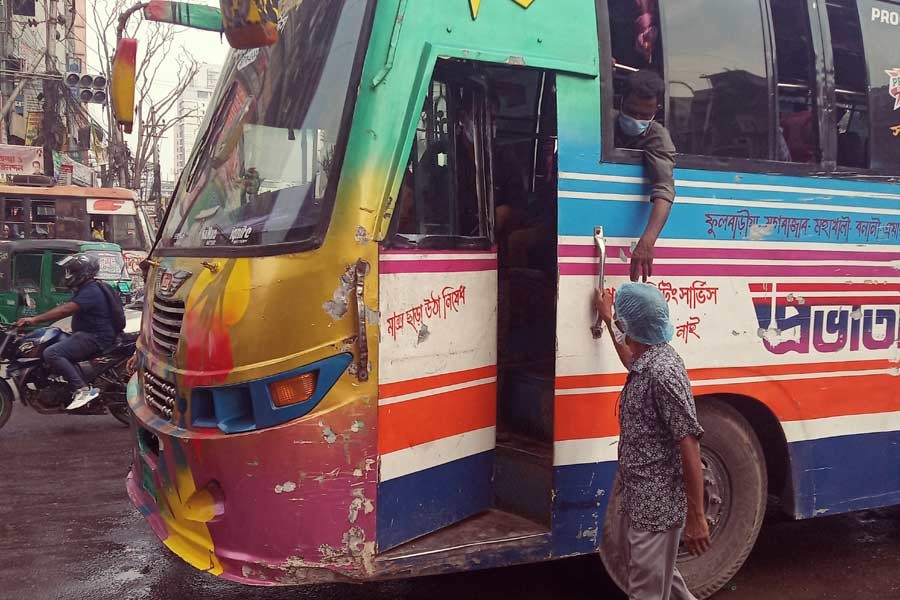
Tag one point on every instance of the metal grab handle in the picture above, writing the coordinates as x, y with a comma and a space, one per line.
362, 365
597, 327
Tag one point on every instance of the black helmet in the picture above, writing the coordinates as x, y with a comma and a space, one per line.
80, 269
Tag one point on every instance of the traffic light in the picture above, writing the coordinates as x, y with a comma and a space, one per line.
87, 88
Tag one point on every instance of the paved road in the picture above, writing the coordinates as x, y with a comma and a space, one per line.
67, 532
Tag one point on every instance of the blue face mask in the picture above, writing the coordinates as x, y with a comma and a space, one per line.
631, 126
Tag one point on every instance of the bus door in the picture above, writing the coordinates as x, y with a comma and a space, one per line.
442, 456
437, 353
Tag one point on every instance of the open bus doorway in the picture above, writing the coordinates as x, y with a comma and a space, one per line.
524, 173
474, 235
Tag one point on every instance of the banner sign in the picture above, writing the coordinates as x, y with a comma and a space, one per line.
33, 124
76, 172
21, 160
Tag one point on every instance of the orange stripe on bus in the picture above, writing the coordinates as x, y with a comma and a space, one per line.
569, 382
430, 418
582, 416
411, 386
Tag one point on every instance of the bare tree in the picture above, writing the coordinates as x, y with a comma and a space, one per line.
155, 113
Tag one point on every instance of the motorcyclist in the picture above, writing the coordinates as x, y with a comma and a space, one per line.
92, 326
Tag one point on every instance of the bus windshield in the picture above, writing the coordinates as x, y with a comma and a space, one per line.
269, 155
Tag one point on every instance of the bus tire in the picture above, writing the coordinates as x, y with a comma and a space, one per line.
735, 482
730, 450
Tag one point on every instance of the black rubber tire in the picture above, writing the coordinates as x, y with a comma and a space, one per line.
731, 439
6, 403
121, 413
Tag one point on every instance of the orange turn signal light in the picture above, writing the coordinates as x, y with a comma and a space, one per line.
295, 390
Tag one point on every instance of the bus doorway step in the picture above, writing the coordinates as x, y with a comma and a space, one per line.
492, 539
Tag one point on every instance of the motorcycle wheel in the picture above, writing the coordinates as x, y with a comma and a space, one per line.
6, 404
120, 413
113, 385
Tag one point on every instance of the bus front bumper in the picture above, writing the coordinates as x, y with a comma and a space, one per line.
161, 486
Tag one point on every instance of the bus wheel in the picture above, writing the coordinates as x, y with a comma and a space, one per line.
734, 477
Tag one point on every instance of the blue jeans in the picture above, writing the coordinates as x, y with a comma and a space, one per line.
63, 356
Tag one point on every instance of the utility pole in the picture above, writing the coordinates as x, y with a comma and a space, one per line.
51, 89
6, 96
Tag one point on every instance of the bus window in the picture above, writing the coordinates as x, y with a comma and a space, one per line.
13, 219
123, 230
797, 138
43, 220
851, 84
881, 25
441, 194
71, 217
718, 78
634, 39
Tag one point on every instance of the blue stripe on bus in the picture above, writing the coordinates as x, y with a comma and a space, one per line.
428, 500
813, 197
847, 473
582, 493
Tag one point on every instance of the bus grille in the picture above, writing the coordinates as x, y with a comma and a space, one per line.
166, 324
159, 394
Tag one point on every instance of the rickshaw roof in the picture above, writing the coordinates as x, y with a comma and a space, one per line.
15, 246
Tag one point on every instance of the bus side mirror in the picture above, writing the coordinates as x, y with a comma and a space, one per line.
250, 23
122, 82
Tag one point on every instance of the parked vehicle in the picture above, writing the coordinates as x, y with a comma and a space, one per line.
24, 376
78, 213
29, 269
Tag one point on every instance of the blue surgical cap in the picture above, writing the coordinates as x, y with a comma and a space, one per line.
643, 314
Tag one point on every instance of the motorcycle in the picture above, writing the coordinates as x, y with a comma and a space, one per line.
25, 377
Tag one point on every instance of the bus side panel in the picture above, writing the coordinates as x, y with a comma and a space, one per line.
782, 290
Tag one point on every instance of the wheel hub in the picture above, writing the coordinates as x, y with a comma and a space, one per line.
716, 496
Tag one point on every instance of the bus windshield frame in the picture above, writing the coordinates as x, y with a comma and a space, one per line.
224, 204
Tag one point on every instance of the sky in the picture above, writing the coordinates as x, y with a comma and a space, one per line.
205, 46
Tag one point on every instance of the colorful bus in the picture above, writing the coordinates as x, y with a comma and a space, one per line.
367, 347
77, 213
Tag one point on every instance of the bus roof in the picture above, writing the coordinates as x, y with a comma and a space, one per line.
68, 191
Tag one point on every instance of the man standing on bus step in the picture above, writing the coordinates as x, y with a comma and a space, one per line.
94, 327
659, 474
637, 129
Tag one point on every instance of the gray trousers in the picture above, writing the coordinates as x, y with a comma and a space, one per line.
652, 574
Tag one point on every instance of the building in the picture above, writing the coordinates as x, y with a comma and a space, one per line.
191, 107
33, 45
24, 29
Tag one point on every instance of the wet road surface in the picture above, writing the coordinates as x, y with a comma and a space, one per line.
68, 532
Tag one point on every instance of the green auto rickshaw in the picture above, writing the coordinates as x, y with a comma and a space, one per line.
32, 283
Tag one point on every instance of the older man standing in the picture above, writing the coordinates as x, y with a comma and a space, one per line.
659, 449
